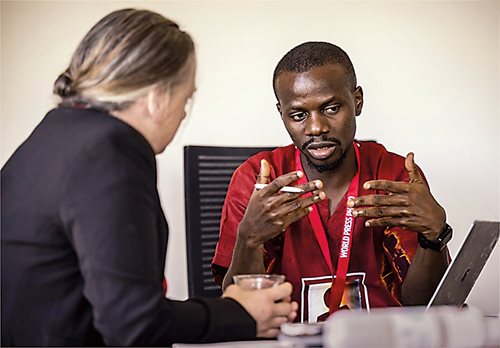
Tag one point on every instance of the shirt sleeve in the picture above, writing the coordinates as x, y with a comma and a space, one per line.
112, 217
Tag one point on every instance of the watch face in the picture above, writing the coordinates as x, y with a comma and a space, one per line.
445, 237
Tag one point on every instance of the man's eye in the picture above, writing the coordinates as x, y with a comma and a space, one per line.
298, 116
331, 110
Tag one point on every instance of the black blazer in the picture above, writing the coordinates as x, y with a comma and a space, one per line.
84, 241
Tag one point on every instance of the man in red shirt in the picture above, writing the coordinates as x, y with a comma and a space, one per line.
365, 232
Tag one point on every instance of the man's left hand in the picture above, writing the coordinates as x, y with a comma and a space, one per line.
407, 205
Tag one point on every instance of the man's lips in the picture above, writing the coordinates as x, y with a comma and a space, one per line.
321, 150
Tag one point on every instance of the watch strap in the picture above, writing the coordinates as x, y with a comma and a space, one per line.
438, 244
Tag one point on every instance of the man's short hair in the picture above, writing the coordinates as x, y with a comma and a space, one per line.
313, 54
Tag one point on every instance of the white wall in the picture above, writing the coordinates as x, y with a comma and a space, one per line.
430, 72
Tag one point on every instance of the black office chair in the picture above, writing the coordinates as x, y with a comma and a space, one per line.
207, 172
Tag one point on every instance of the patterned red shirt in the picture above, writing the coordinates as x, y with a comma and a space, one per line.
380, 257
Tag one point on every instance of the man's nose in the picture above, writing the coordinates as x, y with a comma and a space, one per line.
317, 124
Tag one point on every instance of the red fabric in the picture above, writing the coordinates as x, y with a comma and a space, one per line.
164, 286
379, 258
339, 284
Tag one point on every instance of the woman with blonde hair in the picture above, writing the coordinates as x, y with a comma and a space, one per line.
84, 237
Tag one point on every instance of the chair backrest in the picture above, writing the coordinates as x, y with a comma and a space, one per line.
207, 172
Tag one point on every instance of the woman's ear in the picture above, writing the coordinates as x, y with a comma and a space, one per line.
158, 100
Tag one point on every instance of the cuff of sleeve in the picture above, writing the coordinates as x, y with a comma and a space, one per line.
204, 321
228, 321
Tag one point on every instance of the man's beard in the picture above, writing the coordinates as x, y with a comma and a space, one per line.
320, 168
326, 167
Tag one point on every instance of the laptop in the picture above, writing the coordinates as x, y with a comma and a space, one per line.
462, 273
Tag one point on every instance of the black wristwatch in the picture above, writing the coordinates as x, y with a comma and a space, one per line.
438, 244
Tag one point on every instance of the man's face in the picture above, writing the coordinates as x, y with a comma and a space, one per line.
319, 110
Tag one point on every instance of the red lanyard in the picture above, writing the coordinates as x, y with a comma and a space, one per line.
338, 283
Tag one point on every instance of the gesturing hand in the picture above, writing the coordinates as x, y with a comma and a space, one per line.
270, 211
408, 204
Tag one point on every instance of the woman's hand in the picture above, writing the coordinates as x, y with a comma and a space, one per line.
269, 307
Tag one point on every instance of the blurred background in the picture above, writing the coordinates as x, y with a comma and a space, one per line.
429, 70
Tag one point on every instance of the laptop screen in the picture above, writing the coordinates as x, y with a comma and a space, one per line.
462, 273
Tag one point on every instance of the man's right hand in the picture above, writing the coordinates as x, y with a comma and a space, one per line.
269, 211
269, 307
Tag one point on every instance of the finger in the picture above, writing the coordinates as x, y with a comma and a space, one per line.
412, 168
293, 313
282, 309
273, 322
300, 203
283, 198
402, 222
295, 216
265, 172
270, 333
378, 200
311, 186
281, 181
280, 292
387, 185
382, 211
278, 321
